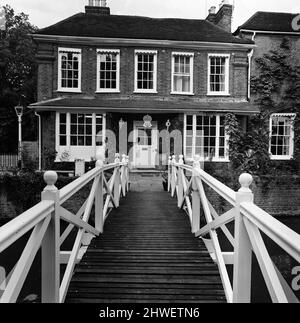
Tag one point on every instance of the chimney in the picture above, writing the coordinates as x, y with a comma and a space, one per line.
211, 14
97, 7
223, 18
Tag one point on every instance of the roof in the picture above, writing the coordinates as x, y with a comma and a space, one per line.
270, 21
135, 27
143, 106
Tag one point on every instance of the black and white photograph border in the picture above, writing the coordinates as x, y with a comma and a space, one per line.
149, 154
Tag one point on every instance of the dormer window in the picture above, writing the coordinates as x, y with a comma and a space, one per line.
69, 70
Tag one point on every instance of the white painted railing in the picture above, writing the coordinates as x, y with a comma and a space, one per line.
44, 219
186, 182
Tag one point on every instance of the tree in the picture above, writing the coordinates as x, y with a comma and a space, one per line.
18, 78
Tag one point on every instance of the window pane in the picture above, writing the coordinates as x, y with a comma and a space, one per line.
218, 74
108, 71
205, 131
182, 74
145, 72
70, 70
282, 131
63, 140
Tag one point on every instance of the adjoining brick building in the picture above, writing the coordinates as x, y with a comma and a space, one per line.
139, 78
268, 30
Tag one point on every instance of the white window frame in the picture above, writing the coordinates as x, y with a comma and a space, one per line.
136, 53
227, 77
191, 56
109, 51
292, 116
216, 158
60, 53
92, 149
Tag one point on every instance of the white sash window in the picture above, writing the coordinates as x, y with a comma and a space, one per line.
69, 70
78, 135
218, 74
108, 70
282, 136
182, 73
205, 136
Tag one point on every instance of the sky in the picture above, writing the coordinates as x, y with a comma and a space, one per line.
45, 13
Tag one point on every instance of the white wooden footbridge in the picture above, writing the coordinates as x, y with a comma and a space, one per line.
147, 247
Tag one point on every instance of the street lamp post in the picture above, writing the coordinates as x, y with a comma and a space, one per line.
19, 111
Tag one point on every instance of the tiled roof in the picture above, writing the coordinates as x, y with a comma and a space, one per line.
134, 27
145, 106
269, 21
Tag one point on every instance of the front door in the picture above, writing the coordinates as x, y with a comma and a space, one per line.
145, 145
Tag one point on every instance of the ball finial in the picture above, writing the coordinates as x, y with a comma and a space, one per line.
100, 157
196, 163
50, 178
117, 158
181, 161
245, 180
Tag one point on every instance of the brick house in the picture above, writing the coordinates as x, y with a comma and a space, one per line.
268, 30
144, 80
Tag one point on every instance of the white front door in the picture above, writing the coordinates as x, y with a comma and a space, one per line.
145, 145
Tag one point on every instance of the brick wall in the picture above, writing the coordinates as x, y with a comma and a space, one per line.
31, 153
48, 70
277, 197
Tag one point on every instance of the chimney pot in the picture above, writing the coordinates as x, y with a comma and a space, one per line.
212, 10
97, 7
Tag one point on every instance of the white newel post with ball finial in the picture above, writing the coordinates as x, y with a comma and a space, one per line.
242, 247
117, 182
99, 216
196, 201
123, 174
51, 244
180, 191
169, 173
173, 182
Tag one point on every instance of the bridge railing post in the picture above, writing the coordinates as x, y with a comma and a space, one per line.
127, 173
124, 175
243, 249
99, 216
169, 173
51, 244
173, 181
196, 201
117, 182
180, 191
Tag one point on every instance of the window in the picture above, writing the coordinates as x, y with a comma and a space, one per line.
205, 136
81, 129
146, 71
182, 73
69, 70
79, 134
108, 70
282, 136
218, 74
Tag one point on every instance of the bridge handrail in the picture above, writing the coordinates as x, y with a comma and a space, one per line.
22, 224
44, 219
249, 219
284, 237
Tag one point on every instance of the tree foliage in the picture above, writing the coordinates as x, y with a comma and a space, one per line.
276, 87
18, 77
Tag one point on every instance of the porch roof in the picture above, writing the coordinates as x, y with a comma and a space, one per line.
144, 106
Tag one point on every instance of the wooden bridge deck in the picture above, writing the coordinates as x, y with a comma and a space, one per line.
147, 254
